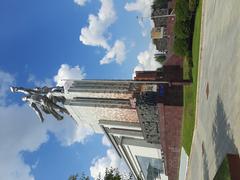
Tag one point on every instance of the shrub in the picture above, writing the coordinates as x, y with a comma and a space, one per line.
182, 29
192, 5
159, 69
182, 11
160, 58
180, 47
159, 4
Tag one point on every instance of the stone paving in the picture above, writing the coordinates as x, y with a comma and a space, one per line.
217, 129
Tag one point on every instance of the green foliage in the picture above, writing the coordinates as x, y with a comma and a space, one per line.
192, 5
182, 10
180, 47
223, 172
159, 69
160, 59
84, 177
182, 29
77, 177
112, 174
159, 4
73, 177
191, 68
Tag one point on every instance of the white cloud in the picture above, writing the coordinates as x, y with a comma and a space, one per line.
68, 72
117, 53
94, 34
105, 141
110, 160
6, 80
141, 6
146, 60
38, 83
20, 130
35, 165
80, 2
68, 132
144, 8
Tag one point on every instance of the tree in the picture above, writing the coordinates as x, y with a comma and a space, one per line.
73, 177
193, 5
77, 177
182, 10
159, 4
180, 47
110, 174
160, 58
182, 29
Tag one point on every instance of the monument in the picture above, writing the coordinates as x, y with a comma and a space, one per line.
43, 100
135, 115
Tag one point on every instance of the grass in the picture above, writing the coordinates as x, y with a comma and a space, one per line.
223, 171
190, 91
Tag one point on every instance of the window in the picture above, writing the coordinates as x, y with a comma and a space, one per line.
151, 167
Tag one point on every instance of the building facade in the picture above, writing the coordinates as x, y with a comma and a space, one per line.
111, 107
140, 117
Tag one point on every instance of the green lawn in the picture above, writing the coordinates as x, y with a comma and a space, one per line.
190, 91
223, 171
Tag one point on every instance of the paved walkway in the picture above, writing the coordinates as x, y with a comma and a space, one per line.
218, 114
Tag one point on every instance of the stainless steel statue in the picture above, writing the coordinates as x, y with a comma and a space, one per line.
43, 100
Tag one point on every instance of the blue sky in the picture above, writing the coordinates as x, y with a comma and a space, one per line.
42, 42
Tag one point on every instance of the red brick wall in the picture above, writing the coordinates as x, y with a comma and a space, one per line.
173, 73
147, 75
170, 133
173, 60
170, 73
234, 166
170, 27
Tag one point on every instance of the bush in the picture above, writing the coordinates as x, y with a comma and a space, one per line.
180, 47
159, 69
159, 4
192, 5
182, 29
182, 11
160, 58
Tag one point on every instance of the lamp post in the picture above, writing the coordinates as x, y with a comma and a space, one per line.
153, 17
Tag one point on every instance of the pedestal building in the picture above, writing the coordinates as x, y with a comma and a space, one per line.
129, 113
109, 106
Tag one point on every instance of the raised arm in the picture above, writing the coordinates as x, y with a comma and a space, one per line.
37, 111
22, 90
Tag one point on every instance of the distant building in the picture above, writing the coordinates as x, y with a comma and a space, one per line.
161, 44
162, 33
158, 33
169, 104
157, 20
